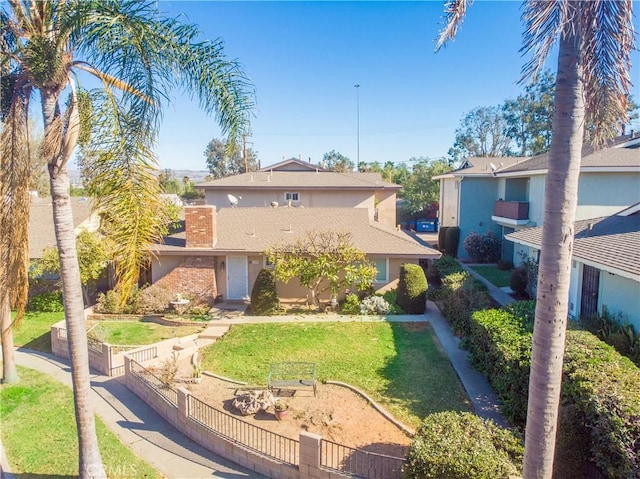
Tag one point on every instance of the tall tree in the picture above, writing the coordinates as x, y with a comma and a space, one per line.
226, 160
336, 161
482, 132
420, 189
595, 40
528, 117
138, 55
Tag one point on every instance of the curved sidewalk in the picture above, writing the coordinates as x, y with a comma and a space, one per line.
139, 427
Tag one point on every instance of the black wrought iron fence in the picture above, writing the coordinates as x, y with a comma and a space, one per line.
154, 382
252, 437
361, 463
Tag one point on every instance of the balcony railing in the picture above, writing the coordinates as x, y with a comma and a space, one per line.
513, 210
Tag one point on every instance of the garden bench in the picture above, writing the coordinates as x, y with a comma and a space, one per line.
292, 375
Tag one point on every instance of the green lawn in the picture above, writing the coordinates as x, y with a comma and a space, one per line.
399, 365
35, 331
497, 276
39, 433
137, 332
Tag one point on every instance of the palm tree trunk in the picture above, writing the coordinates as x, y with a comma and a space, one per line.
90, 461
561, 194
9, 371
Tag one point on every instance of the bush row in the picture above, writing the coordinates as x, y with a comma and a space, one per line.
600, 386
460, 295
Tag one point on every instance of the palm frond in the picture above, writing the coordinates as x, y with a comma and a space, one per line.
604, 30
455, 11
124, 180
15, 173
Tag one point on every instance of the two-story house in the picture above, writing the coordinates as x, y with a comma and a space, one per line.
220, 251
299, 184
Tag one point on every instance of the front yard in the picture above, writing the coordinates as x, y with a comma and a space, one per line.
399, 365
498, 277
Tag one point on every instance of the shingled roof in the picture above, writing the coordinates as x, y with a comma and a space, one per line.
253, 230
41, 229
482, 166
308, 180
610, 243
622, 157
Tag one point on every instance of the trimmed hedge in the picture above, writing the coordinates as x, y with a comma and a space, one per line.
461, 295
442, 235
600, 387
450, 445
412, 289
264, 297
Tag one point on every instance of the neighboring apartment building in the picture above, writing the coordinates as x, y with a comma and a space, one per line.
468, 193
605, 267
298, 184
220, 252
504, 195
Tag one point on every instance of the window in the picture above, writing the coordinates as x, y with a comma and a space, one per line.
382, 265
267, 264
291, 196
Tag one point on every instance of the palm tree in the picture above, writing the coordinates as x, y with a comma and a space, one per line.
138, 56
595, 40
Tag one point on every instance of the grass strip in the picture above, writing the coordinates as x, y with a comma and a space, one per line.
498, 277
39, 433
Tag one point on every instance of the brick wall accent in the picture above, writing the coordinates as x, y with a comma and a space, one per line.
196, 277
200, 226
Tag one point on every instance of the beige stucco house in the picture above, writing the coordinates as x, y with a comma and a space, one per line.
299, 184
219, 253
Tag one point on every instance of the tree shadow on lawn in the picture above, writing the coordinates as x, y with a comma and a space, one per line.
420, 375
42, 343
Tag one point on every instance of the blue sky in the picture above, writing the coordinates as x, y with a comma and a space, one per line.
305, 57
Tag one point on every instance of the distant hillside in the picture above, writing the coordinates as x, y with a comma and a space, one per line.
197, 176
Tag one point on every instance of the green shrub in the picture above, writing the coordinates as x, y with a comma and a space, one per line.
47, 302
519, 281
264, 296
446, 265
391, 297
525, 311
154, 299
461, 295
450, 445
412, 289
504, 265
110, 303
485, 248
442, 235
351, 304
451, 241
604, 386
500, 348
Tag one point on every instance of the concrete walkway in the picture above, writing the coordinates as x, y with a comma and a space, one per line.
153, 439
139, 427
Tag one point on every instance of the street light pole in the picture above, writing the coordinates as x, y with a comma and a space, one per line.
357, 86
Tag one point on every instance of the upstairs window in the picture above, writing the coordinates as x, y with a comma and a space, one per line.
292, 196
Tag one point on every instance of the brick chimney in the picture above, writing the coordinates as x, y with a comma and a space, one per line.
200, 226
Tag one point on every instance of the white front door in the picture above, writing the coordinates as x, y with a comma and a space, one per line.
237, 277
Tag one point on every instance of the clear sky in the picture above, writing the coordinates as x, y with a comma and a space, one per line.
304, 59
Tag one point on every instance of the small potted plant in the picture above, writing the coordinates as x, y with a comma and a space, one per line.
196, 375
281, 409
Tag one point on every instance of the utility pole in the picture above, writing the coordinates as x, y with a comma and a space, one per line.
244, 151
357, 86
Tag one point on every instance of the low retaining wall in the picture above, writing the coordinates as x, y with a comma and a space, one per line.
108, 359
178, 415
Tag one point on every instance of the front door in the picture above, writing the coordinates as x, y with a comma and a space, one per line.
590, 286
237, 277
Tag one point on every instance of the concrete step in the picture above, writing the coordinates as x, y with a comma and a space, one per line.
213, 332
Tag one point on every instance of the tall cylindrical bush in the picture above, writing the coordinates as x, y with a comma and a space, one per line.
412, 289
442, 234
264, 297
451, 241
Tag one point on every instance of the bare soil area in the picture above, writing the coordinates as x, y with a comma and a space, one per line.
336, 413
